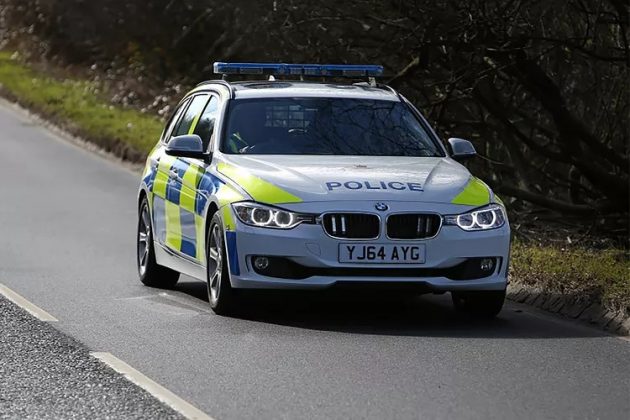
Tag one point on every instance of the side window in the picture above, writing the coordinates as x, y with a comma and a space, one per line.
173, 121
191, 115
205, 125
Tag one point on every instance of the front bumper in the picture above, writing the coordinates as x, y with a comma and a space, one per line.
309, 246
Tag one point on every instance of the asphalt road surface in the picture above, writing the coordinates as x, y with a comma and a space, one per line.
45, 374
67, 243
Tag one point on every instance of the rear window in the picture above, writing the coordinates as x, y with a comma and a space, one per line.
325, 126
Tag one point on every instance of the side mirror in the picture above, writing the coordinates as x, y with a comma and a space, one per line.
189, 146
461, 149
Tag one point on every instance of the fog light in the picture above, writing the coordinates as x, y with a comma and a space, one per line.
487, 264
261, 263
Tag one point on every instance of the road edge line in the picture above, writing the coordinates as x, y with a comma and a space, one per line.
158, 391
25, 304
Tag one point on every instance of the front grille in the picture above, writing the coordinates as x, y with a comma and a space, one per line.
412, 226
352, 225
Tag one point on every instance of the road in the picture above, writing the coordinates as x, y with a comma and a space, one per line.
67, 243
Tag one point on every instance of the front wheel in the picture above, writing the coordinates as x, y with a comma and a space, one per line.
220, 293
487, 304
151, 274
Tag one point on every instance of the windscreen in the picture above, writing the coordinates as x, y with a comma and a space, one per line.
325, 126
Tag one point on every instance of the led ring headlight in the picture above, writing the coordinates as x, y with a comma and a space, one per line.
486, 218
283, 219
260, 215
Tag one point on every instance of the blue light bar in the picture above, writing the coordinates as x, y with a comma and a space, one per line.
281, 69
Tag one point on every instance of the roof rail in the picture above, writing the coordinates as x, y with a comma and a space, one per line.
377, 85
229, 87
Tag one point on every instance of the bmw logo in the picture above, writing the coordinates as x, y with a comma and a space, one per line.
381, 206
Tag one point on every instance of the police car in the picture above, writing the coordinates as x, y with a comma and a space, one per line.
287, 184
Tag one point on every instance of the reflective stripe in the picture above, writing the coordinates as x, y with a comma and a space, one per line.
188, 229
160, 184
150, 158
475, 193
166, 162
227, 195
229, 224
159, 219
200, 238
190, 181
260, 190
161, 178
173, 226
208, 185
230, 239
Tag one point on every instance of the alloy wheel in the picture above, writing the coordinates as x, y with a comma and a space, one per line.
144, 237
215, 262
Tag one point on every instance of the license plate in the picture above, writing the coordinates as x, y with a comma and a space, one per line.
382, 253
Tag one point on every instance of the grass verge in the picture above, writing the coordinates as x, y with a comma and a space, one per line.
82, 108
600, 275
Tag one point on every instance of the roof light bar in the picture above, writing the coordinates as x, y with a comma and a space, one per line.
281, 69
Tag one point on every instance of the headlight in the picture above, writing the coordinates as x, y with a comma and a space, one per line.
490, 217
259, 215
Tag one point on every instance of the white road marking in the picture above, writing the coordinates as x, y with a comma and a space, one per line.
158, 391
31, 308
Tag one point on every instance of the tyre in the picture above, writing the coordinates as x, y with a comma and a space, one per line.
151, 274
486, 304
221, 296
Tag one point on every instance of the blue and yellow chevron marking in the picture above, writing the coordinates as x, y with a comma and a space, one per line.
260, 190
179, 206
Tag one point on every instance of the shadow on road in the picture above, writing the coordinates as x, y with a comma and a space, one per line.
374, 312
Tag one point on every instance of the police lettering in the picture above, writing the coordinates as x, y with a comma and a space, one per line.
374, 185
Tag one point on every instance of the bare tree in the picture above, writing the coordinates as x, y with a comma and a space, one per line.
541, 87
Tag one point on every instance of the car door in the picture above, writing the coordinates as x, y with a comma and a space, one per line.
199, 183
163, 185
175, 190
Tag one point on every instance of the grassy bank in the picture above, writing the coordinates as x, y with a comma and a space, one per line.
601, 275
81, 108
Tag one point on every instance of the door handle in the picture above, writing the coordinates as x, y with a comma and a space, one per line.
172, 174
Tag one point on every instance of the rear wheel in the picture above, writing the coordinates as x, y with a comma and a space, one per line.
486, 304
220, 293
151, 274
